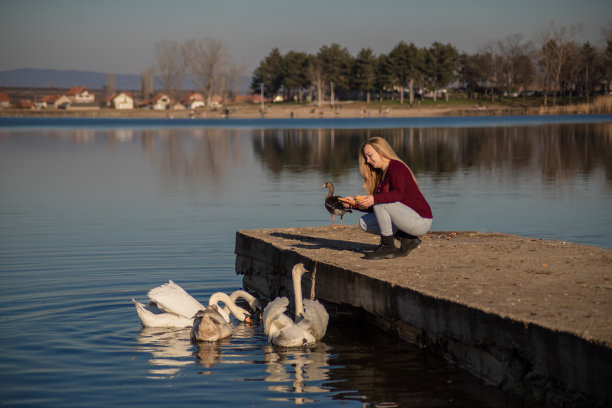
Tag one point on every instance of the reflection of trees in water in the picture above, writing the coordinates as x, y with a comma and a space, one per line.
196, 155
328, 151
578, 149
205, 157
200, 156
556, 150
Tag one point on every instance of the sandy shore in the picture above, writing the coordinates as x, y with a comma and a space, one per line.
273, 111
340, 110
353, 111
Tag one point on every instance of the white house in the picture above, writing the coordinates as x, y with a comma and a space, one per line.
122, 100
216, 101
55, 101
80, 94
194, 100
158, 102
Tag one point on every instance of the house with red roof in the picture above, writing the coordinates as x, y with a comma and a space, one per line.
216, 101
193, 100
24, 104
158, 102
80, 94
5, 103
56, 101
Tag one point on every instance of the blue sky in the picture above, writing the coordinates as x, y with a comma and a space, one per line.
119, 36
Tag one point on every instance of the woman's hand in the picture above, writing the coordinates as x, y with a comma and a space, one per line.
364, 202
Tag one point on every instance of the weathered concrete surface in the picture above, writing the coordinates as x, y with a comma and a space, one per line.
533, 316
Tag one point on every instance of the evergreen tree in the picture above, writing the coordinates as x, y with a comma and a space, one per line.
364, 73
384, 78
295, 74
269, 73
337, 64
406, 67
440, 66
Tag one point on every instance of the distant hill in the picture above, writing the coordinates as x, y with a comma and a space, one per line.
55, 78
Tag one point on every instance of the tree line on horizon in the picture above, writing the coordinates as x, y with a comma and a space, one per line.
554, 64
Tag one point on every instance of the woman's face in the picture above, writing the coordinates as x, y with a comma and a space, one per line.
374, 159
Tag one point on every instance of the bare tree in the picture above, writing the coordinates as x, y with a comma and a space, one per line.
110, 85
606, 55
317, 77
232, 77
169, 66
489, 67
516, 68
146, 83
557, 46
207, 58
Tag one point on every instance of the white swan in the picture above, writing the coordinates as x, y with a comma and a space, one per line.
238, 312
151, 316
172, 298
311, 318
172, 307
253, 302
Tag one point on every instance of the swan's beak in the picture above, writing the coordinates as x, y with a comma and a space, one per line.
253, 320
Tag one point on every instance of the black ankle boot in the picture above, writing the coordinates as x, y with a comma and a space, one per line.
407, 242
386, 249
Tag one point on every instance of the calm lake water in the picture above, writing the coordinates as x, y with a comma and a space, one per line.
96, 212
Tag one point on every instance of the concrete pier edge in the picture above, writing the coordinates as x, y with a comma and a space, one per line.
540, 365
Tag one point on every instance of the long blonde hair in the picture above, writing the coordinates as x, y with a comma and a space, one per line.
371, 175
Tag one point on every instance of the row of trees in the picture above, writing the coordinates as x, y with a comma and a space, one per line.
206, 61
553, 63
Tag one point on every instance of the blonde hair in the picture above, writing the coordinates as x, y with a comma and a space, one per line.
371, 175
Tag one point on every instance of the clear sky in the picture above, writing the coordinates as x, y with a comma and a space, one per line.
119, 36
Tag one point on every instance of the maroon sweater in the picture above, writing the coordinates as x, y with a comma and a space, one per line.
399, 185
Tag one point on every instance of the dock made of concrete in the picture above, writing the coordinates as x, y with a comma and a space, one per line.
532, 316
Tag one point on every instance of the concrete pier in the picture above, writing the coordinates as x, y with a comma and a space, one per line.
529, 315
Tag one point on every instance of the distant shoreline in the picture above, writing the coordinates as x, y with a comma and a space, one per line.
342, 110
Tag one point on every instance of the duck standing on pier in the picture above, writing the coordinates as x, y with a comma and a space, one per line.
335, 204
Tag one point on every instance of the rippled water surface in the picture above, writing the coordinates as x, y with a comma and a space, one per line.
94, 213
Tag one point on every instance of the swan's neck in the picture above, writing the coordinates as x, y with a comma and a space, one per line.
237, 311
244, 295
297, 292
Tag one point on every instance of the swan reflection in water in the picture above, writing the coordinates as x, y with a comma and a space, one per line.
297, 371
294, 374
170, 349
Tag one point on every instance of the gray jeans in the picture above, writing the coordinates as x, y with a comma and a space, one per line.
390, 217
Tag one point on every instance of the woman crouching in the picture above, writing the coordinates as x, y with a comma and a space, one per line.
395, 204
